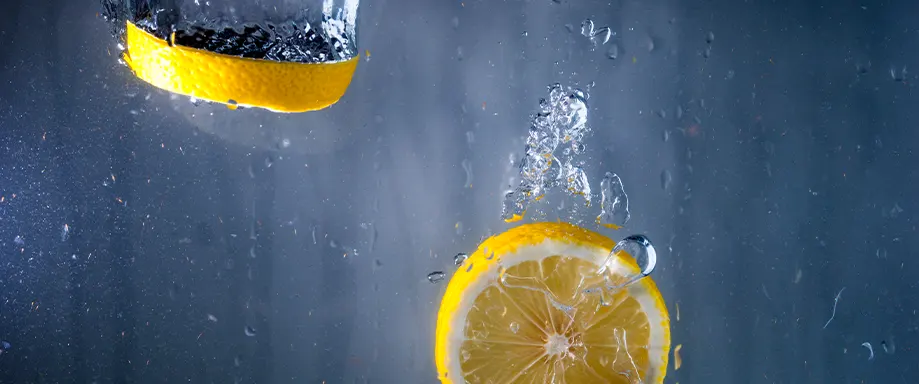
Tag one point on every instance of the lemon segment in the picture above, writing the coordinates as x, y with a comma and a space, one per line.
236, 81
517, 312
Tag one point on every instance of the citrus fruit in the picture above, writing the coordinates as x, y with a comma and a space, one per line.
520, 310
236, 81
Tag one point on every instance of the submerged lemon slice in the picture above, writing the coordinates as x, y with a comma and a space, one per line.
236, 81
517, 312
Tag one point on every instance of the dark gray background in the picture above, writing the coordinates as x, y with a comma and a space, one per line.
800, 161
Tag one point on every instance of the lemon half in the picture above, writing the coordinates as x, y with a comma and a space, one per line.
517, 312
236, 81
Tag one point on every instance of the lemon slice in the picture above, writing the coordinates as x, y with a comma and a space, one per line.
517, 311
236, 81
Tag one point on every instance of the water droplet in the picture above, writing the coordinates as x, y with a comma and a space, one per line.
666, 179
19, 240
637, 247
649, 42
613, 52
730, 74
614, 203
470, 137
515, 327
252, 252
6, 344
285, 142
268, 162
459, 259
249, 331
455, 22
710, 37
211, 318
666, 135
436, 277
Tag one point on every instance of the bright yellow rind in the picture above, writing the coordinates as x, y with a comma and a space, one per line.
236, 81
490, 252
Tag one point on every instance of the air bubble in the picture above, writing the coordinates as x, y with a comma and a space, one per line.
515, 327
601, 36
614, 203
587, 28
613, 52
636, 247
666, 179
467, 166
459, 259
436, 277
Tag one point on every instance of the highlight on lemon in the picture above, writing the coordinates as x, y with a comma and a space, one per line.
236, 81
521, 310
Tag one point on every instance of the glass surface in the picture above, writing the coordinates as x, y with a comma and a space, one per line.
767, 148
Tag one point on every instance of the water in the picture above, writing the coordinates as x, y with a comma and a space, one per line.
739, 214
294, 39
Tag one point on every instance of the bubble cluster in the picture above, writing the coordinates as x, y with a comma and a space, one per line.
555, 137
